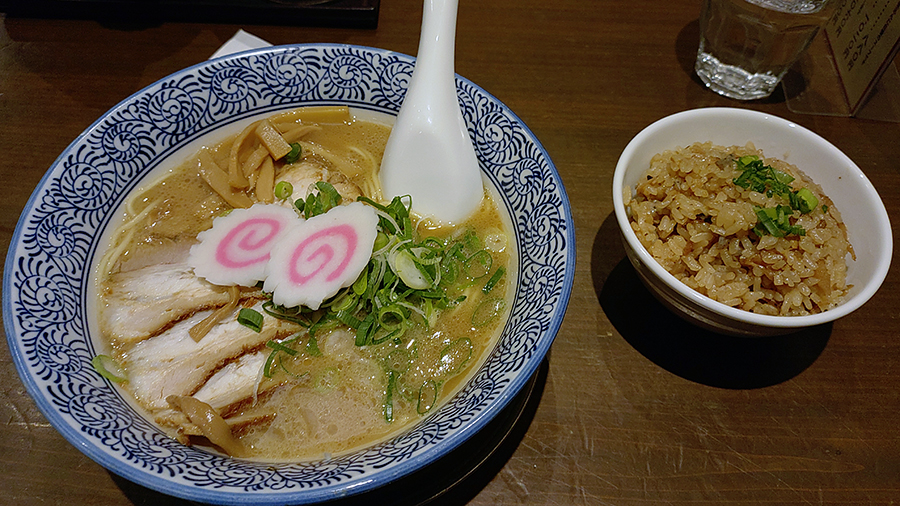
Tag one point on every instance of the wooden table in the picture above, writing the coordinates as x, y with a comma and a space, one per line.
630, 409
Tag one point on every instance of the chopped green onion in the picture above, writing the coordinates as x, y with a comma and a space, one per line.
365, 330
397, 221
361, 283
808, 201
275, 345
390, 336
457, 252
479, 264
765, 179
747, 160
487, 311
348, 319
456, 355
312, 346
326, 322
428, 393
326, 380
450, 272
319, 203
494, 280
391, 317
472, 242
267, 369
767, 220
251, 319
762, 178
283, 190
782, 177
430, 313
294, 154
277, 348
285, 369
405, 267
109, 368
389, 397
344, 302
293, 315
328, 195
427, 254
381, 240
397, 361
775, 221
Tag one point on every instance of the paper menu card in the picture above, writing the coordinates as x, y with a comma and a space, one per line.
864, 36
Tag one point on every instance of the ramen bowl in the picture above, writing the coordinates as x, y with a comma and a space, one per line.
853, 195
47, 312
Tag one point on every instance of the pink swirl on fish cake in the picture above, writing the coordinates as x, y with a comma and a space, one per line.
325, 252
233, 250
236, 250
320, 256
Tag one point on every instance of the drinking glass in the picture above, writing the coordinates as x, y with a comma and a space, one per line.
746, 46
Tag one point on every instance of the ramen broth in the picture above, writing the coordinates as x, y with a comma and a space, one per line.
326, 395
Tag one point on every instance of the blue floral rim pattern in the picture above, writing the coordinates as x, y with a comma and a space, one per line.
47, 274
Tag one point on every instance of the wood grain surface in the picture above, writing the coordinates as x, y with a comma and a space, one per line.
633, 405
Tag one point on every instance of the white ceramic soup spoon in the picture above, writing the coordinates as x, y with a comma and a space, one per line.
429, 154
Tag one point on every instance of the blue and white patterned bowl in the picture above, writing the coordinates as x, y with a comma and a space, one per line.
46, 287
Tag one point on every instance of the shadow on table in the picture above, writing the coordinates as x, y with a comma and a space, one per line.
454, 479
682, 348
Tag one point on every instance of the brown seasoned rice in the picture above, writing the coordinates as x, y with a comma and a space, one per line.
697, 224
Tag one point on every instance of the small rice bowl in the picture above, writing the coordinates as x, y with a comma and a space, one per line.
691, 217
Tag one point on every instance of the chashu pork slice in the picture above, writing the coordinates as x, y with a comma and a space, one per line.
142, 302
234, 383
172, 363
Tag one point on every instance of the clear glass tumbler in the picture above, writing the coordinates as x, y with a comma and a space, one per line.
746, 46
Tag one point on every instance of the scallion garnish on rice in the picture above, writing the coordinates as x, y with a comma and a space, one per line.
761, 178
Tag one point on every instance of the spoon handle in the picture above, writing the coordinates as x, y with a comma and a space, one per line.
429, 155
437, 41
